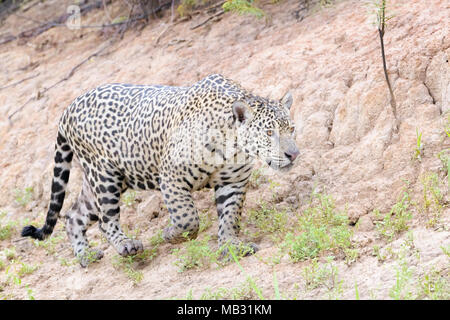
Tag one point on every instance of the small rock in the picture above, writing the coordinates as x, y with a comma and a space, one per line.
150, 207
365, 223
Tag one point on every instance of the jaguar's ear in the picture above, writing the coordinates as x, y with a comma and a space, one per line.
287, 100
242, 112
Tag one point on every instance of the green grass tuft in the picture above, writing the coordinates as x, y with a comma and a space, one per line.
319, 229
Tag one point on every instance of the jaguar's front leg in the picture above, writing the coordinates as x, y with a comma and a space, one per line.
229, 201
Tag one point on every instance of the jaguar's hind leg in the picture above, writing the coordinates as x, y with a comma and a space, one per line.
107, 185
79, 218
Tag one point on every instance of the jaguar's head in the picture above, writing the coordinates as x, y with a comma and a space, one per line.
266, 131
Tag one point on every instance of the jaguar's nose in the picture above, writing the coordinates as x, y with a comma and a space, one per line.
292, 154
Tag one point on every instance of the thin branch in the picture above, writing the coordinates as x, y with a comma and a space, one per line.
60, 22
381, 30
207, 20
19, 82
162, 33
70, 74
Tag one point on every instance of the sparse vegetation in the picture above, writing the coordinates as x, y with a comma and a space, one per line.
396, 220
343, 130
7, 229
268, 221
9, 253
50, 245
257, 178
403, 287
129, 198
130, 264
195, 254
319, 229
317, 274
434, 286
15, 271
432, 200
444, 156
249, 278
205, 221
418, 150
23, 197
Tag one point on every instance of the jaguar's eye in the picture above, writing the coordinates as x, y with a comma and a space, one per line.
269, 132
291, 129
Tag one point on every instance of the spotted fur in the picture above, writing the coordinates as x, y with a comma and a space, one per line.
173, 139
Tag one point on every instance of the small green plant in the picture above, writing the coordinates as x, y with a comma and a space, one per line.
119, 19
132, 234
243, 7
351, 255
269, 220
50, 245
275, 286
434, 286
383, 255
356, 291
68, 262
26, 269
7, 230
15, 272
444, 156
403, 288
154, 242
433, 198
418, 150
30, 294
195, 254
10, 253
326, 3
23, 197
396, 220
129, 264
186, 6
446, 250
315, 274
205, 221
321, 275
129, 198
256, 178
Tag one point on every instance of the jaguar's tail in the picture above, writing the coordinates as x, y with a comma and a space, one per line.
61, 172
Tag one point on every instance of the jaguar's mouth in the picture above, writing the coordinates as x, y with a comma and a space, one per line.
280, 167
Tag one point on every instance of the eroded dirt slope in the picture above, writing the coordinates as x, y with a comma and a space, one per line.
331, 62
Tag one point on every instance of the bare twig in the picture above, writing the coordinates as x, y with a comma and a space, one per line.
172, 6
162, 33
381, 30
60, 22
19, 82
209, 19
70, 74
106, 11
127, 25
